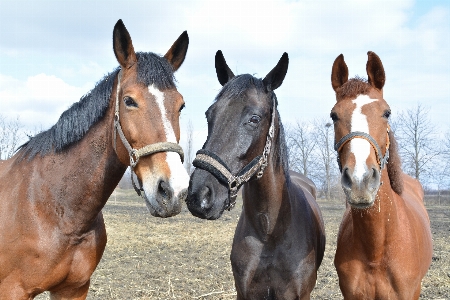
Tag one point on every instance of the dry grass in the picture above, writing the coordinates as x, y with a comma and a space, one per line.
187, 258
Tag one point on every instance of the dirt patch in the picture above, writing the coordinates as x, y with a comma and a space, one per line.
188, 258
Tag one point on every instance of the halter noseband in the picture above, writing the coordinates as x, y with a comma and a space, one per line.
381, 160
212, 163
135, 154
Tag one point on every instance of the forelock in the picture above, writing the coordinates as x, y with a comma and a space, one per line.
237, 87
352, 88
153, 69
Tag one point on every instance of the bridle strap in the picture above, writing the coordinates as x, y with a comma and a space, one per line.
381, 160
213, 164
135, 154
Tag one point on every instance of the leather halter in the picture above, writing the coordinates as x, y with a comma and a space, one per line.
135, 154
381, 160
212, 163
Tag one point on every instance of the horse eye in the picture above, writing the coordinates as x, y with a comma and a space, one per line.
334, 117
387, 114
129, 102
182, 107
254, 119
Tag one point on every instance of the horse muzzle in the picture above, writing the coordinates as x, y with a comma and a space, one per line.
204, 196
360, 191
165, 196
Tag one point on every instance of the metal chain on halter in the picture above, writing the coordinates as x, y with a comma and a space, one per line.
269, 139
135, 154
210, 162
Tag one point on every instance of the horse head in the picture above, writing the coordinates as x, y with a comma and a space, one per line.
147, 112
361, 127
240, 133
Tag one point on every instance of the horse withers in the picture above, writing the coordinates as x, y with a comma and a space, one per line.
279, 240
52, 233
384, 245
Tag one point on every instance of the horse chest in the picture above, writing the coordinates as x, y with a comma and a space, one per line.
264, 272
366, 280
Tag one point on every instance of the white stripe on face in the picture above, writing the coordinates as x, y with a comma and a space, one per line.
179, 179
360, 147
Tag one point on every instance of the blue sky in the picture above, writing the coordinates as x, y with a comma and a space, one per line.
53, 52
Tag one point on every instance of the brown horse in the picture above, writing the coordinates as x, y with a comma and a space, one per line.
280, 240
384, 245
52, 233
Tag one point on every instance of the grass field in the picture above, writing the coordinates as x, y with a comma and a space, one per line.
188, 258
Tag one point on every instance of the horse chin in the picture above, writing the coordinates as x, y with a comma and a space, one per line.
361, 202
157, 210
217, 214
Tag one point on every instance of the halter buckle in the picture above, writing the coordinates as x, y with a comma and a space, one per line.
134, 158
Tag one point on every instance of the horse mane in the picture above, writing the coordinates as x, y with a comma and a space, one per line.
75, 122
235, 90
394, 166
352, 88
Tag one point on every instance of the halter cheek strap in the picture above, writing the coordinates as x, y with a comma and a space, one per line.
212, 163
381, 160
135, 154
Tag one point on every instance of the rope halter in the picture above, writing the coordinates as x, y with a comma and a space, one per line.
213, 164
136, 154
381, 160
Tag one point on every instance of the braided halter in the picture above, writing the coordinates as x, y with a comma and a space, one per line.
135, 154
212, 163
381, 160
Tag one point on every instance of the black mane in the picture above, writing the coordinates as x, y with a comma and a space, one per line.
235, 89
82, 115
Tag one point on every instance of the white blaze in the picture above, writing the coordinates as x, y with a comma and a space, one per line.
360, 147
179, 179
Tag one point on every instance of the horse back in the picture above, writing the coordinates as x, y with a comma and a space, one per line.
306, 184
302, 185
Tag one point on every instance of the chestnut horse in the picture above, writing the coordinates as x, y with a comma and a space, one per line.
52, 233
384, 245
280, 239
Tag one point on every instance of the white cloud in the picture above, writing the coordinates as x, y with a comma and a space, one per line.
39, 100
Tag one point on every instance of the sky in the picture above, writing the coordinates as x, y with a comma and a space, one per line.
53, 52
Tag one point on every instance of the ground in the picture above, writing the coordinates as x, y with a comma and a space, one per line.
188, 258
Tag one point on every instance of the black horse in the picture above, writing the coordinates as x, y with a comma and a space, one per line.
280, 239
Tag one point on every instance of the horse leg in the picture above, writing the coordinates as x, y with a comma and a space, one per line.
71, 293
417, 293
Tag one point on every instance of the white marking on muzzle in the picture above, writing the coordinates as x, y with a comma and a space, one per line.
179, 179
360, 147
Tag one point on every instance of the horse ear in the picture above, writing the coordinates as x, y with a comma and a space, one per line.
375, 70
224, 73
275, 78
339, 72
177, 53
123, 47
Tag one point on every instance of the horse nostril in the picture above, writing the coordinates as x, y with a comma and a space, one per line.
205, 197
346, 180
165, 191
374, 180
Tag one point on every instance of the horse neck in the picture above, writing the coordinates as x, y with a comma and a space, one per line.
94, 171
266, 199
374, 227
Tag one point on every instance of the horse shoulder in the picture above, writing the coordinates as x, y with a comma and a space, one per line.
416, 215
305, 190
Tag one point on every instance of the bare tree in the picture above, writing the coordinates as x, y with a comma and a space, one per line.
9, 136
189, 147
326, 154
301, 144
417, 140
